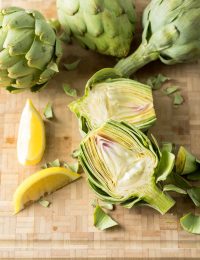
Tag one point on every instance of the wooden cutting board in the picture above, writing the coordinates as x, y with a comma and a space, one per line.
65, 229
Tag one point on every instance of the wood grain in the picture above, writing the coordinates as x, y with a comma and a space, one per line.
65, 230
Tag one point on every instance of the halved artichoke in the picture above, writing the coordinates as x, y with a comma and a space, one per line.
171, 34
29, 50
101, 25
108, 96
121, 164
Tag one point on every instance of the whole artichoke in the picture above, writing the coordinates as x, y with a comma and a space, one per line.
29, 50
121, 165
171, 34
102, 25
108, 96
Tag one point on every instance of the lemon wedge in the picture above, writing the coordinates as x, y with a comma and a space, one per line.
41, 183
31, 136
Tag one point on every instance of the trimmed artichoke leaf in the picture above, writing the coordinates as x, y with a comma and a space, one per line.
186, 163
44, 203
103, 204
120, 163
48, 111
178, 99
168, 147
75, 167
72, 92
170, 90
55, 163
157, 81
102, 220
171, 187
165, 166
194, 176
76, 153
72, 66
194, 194
177, 180
191, 223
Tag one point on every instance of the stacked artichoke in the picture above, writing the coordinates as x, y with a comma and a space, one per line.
29, 50
170, 34
101, 25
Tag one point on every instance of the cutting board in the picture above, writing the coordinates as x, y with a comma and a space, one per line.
65, 229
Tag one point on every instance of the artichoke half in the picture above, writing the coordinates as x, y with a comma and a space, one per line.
121, 164
171, 34
101, 25
29, 50
108, 96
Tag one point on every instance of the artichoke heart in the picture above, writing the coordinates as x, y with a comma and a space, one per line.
100, 25
120, 163
112, 97
29, 50
170, 34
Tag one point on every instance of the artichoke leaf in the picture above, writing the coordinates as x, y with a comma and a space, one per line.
165, 166
102, 220
194, 194
191, 223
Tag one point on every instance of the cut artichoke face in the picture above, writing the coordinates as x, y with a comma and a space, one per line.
120, 163
100, 25
28, 47
118, 99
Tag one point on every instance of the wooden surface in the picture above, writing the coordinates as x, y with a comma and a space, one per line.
65, 230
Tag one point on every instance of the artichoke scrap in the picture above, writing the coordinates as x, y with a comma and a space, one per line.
29, 50
108, 96
121, 164
104, 26
171, 34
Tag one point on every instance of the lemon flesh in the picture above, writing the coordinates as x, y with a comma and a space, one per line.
41, 183
31, 136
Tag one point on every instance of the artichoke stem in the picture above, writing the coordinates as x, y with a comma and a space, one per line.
158, 199
142, 56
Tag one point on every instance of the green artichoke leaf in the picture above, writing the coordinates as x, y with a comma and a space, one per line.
120, 164
45, 32
186, 163
178, 181
191, 223
194, 194
48, 111
102, 220
103, 101
168, 147
165, 166
171, 187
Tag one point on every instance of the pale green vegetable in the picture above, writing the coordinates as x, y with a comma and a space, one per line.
72, 92
55, 163
103, 204
177, 180
100, 25
194, 194
48, 111
178, 99
170, 90
186, 163
157, 81
191, 223
44, 203
168, 147
165, 166
73, 65
29, 50
120, 163
171, 187
102, 220
108, 96
171, 34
